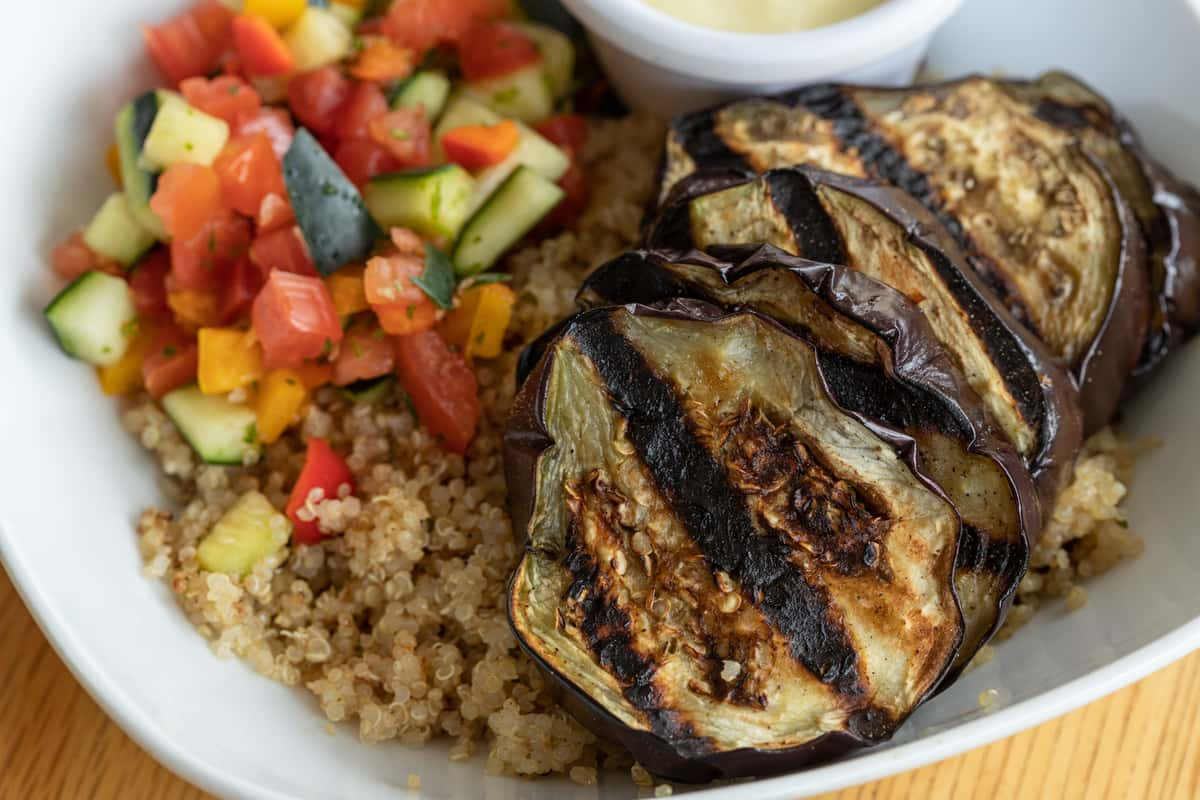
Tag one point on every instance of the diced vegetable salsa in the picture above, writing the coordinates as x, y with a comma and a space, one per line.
318, 194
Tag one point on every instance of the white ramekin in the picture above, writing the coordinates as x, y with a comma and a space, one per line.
659, 63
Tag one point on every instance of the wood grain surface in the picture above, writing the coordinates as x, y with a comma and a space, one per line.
1143, 742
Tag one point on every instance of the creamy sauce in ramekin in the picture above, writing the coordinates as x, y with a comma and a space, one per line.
763, 16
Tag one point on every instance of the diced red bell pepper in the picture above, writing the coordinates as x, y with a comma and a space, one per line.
323, 469
365, 103
187, 197
148, 284
261, 50
363, 159
276, 123
225, 96
191, 43
249, 170
315, 97
495, 48
442, 388
282, 248
406, 134
475, 147
295, 319
171, 360
366, 352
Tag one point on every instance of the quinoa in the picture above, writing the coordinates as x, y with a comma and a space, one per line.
397, 621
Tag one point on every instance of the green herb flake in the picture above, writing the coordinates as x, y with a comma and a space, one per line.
290, 381
169, 351
400, 134
356, 346
327, 348
212, 241
251, 436
378, 333
479, 338
328, 189
437, 281
234, 89
189, 146
130, 329
411, 311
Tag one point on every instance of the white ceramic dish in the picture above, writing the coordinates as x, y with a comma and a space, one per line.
662, 64
71, 482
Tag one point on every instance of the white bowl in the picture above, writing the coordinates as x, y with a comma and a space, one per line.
72, 483
665, 65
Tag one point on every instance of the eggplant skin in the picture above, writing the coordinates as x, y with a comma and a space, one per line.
724, 570
890, 367
1167, 208
1037, 214
886, 234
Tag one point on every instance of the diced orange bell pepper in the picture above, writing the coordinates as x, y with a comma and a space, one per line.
229, 359
477, 146
381, 60
281, 394
315, 374
280, 13
125, 376
478, 324
195, 308
346, 289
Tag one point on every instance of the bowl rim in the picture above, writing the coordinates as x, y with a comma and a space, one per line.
653, 36
870, 766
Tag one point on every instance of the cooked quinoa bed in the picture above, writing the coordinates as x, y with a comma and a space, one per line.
398, 623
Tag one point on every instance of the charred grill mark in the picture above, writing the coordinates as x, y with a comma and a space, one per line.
689, 478
795, 495
606, 629
698, 135
980, 553
816, 235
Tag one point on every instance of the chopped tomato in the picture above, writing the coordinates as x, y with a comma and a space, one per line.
294, 318
187, 197
363, 159
381, 60
442, 388
191, 43
276, 123
402, 307
73, 257
324, 476
238, 291
171, 361
495, 48
365, 103
407, 242
283, 248
203, 260
260, 48
574, 183
406, 134
366, 352
249, 170
568, 131
226, 96
148, 284
421, 24
275, 212
474, 147
316, 96
407, 319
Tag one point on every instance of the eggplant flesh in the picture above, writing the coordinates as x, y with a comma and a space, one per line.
726, 571
889, 368
885, 234
1038, 217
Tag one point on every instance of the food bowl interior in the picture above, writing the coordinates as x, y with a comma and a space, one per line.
72, 482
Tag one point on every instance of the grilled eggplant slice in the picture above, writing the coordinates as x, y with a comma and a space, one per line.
726, 571
892, 369
1039, 218
885, 234
1167, 208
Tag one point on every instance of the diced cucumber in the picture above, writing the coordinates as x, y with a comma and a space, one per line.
558, 55
433, 202
94, 318
132, 124
318, 38
463, 110
427, 88
221, 432
534, 151
523, 94
182, 134
329, 209
247, 533
372, 390
516, 207
114, 232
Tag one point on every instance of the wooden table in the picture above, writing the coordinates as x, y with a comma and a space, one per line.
1143, 742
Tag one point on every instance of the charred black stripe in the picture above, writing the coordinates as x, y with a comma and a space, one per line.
697, 133
817, 236
696, 486
978, 552
607, 628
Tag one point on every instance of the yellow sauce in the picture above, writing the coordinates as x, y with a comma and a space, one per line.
763, 16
